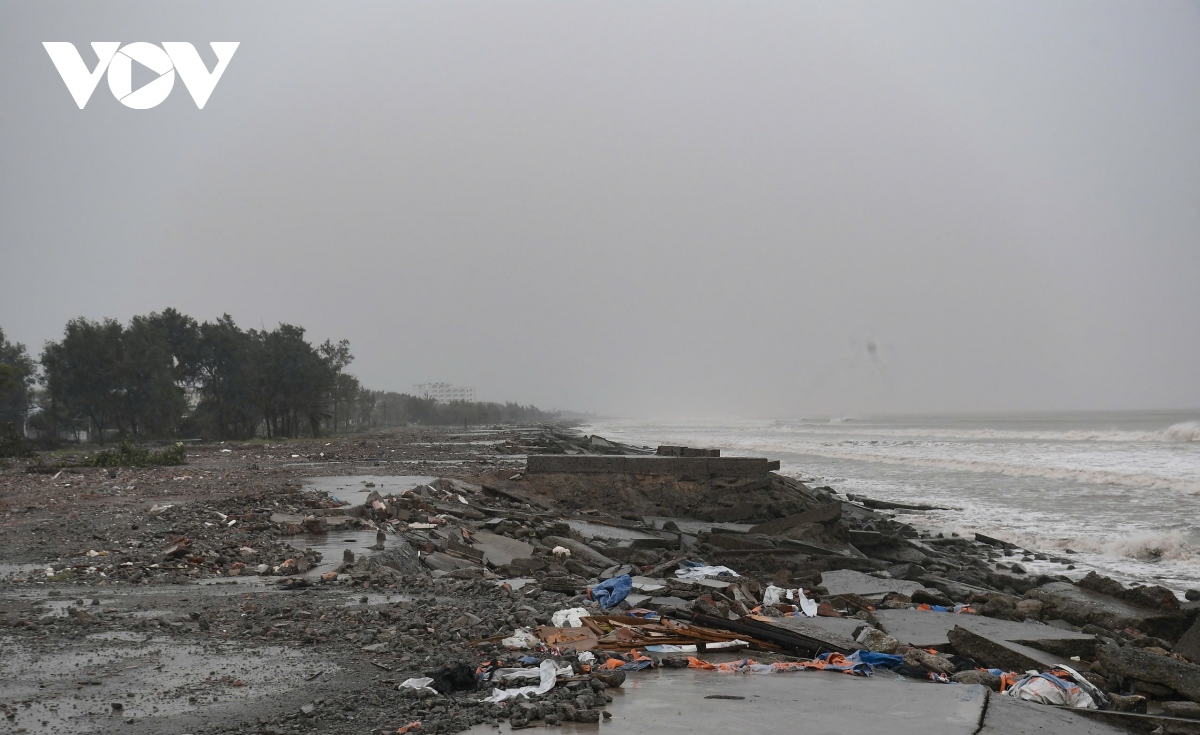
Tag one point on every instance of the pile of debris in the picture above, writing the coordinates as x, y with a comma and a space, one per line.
816, 577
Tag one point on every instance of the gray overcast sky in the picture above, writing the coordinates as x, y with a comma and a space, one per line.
655, 208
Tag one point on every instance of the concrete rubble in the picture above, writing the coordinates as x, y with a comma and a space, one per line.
471, 564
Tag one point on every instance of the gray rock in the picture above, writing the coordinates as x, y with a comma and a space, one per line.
978, 676
1188, 645
878, 642
1081, 607
1139, 664
997, 653
1190, 710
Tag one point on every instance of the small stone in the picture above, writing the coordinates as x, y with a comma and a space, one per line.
1191, 595
1134, 703
978, 676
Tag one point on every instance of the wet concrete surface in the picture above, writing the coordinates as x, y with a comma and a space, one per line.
108, 682
665, 701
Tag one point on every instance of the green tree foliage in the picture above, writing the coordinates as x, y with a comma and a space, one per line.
17, 372
130, 455
83, 372
165, 375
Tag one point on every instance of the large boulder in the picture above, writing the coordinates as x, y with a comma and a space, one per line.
1088, 607
1130, 663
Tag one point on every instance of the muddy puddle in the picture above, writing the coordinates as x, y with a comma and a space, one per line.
108, 681
350, 487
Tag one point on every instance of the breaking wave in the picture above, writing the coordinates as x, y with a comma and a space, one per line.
1184, 431
1149, 547
1091, 476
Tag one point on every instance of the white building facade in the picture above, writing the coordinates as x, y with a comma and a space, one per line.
444, 392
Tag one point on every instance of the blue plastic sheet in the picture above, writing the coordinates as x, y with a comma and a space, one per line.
611, 591
882, 660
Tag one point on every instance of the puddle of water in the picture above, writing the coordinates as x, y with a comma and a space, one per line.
374, 598
128, 636
347, 486
14, 570
334, 544
58, 606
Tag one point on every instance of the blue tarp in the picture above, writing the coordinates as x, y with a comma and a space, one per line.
882, 660
610, 592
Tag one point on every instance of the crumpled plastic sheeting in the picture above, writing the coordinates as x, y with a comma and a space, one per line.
521, 638
569, 618
1049, 689
548, 673
695, 571
775, 595
692, 648
422, 682
612, 591
824, 662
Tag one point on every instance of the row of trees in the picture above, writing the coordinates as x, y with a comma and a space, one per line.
165, 375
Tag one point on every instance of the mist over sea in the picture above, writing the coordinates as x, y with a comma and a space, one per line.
1121, 489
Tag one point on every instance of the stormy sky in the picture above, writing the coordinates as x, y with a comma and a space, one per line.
639, 208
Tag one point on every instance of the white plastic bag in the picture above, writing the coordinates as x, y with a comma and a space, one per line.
569, 618
521, 638
548, 671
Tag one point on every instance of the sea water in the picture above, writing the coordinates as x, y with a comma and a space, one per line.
1120, 491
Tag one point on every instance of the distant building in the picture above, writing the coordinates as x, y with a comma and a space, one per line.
444, 392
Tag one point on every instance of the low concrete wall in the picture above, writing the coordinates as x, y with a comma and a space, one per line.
667, 450
622, 465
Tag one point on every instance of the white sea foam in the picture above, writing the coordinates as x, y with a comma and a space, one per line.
1184, 431
1087, 475
1143, 469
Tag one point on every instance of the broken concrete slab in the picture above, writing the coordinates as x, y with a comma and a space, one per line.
444, 562
821, 702
848, 582
1083, 607
499, 550
1129, 662
738, 542
997, 653
1008, 716
1134, 722
836, 632
666, 450
1188, 645
581, 551
648, 584
732, 514
825, 513
930, 629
